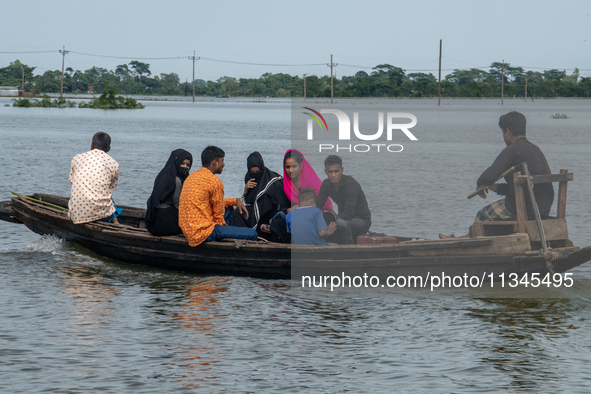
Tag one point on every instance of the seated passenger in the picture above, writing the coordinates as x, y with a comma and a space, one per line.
162, 215
298, 174
263, 195
306, 223
92, 175
354, 216
203, 210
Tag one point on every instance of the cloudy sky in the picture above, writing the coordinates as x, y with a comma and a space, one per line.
536, 35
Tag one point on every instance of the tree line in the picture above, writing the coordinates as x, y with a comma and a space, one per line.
384, 80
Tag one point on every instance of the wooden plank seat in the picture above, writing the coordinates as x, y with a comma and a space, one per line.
555, 229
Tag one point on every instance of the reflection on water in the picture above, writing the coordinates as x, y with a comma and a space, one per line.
525, 338
121, 328
89, 295
197, 313
200, 317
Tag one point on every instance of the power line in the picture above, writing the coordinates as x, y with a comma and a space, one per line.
354, 66
128, 57
32, 52
202, 58
261, 64
266, 64
443, 69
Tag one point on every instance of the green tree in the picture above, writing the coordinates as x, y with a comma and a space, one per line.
50, 81
497, 69
13, 74
140, 69
585, 87
420, 85
170, 84
228, 86
122, 71
463, 77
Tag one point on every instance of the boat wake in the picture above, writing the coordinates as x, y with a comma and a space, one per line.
47, 243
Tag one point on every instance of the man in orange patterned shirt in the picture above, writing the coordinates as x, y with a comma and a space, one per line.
203, 210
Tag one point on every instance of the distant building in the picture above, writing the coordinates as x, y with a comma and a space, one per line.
90, 90
8, 91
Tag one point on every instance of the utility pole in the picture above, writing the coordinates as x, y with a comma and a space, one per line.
526, 86
194, 58
305, 87
331, 65
63, 60
23, 78
502, 80
439, 85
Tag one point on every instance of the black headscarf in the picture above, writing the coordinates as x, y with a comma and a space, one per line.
165, 182
262, 177
266, 198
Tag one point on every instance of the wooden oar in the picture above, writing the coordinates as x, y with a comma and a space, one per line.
41, 202
504, 174
538, 217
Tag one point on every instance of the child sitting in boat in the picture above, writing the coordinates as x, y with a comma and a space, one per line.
306, 223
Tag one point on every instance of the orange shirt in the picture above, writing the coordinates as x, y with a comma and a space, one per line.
202, 205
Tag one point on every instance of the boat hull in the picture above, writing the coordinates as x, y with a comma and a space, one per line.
130, 243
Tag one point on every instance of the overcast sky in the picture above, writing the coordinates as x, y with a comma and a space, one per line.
536, 35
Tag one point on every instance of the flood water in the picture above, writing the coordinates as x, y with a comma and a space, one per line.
71, 321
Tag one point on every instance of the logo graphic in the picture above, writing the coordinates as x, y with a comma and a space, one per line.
315, 118
345, 132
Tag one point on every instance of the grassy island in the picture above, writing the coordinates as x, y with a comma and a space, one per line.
108, 100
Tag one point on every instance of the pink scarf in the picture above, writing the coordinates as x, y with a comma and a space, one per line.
308, 178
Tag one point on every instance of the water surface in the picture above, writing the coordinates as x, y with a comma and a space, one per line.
72, 321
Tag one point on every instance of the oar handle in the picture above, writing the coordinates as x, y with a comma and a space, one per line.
481, 188
41, 202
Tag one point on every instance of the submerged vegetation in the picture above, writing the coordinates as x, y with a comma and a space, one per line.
559, 116
110, 100
107, 100
45, 102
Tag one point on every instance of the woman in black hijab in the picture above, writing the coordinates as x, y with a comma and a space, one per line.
263, 195
162, 215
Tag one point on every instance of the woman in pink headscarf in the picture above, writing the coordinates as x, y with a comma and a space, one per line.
298, 174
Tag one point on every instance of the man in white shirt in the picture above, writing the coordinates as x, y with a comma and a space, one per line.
92, 175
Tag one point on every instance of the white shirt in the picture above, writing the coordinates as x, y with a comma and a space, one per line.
92, 174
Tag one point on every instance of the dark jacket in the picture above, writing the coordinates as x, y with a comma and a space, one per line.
162, 206
265, 199
349, 198
518, 152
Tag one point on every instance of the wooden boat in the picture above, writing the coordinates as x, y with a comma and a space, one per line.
130, 242
510, 252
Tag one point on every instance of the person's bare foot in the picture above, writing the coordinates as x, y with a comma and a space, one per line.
115, 221
442, 236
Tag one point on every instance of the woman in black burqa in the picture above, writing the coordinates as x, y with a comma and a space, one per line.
162, 215
263, 195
